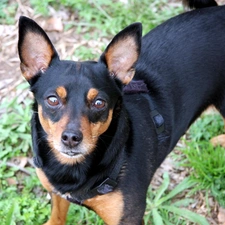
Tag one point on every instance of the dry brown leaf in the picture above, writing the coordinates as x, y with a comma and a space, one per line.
221, 216
23, 161
11, 181
54, 24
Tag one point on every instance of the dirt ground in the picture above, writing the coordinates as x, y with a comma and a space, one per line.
66, 43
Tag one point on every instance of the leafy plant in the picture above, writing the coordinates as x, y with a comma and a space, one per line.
207, 165
15, 128
206, 127
82, 215
41, 6
15, 139
7, 11
24, 209
162, 210
108, 17
84, 53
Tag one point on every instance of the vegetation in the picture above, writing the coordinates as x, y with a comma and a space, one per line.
22, 199
207, 163
108, 17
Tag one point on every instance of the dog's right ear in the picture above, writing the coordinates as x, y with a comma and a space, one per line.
35, 49
122, 53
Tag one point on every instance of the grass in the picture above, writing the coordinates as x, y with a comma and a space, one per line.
7, 11
161, 210
22, 199
107, 17
207, 163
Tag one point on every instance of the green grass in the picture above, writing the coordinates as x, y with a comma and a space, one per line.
207, 163
163, 210
7, 11
22, 199
107, 17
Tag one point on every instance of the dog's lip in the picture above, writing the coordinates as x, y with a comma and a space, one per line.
71, 154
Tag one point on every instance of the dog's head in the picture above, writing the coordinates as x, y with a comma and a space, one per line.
76, 100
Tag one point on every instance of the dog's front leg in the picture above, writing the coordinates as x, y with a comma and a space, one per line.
59, 211
60, 205
109, 207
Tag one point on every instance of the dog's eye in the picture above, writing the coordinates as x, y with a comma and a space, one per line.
52, 101
99, 104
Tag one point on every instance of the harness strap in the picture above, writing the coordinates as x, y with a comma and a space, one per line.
107, 186
139, 86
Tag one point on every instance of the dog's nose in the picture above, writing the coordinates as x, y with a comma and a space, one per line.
71, 138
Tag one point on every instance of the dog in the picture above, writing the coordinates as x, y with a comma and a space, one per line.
101, 129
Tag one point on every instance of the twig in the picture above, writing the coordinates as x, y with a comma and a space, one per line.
9, 164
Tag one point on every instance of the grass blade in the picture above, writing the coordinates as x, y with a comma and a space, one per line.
191, 216
162, 188
9, 216
185, 184
157, 219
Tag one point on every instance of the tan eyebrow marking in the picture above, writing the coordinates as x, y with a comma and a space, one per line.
92, 94
61, 92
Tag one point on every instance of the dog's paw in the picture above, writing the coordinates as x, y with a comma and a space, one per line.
218, 140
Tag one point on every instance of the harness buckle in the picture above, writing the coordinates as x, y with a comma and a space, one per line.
106, 186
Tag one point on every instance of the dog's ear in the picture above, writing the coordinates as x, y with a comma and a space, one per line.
122, 53
35, 49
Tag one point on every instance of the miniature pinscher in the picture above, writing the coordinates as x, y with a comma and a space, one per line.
101, 129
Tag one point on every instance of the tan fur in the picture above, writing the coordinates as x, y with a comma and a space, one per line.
44, 180
92, 94
91, 132
120, 61
99, 128
60, 206
59, 210
54, 131
61, 92
109, 207
36, 55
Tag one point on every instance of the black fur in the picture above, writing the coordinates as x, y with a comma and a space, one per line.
182, 62
199, 3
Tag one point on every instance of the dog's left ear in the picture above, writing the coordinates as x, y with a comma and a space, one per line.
122, 53
35, 49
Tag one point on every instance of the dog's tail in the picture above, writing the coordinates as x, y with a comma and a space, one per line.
199, 3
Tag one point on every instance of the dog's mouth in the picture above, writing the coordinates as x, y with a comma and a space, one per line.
71, 154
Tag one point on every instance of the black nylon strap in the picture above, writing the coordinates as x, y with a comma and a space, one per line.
139, 86
107, 186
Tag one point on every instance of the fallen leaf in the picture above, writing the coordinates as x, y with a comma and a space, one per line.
221, 216
54, 24
11, 181
23, 161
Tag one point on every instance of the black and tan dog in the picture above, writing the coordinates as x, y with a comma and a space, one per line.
101, 129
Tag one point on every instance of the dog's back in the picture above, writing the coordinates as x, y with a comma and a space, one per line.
182, 61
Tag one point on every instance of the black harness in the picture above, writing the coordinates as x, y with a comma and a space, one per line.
139, 86
109, 184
